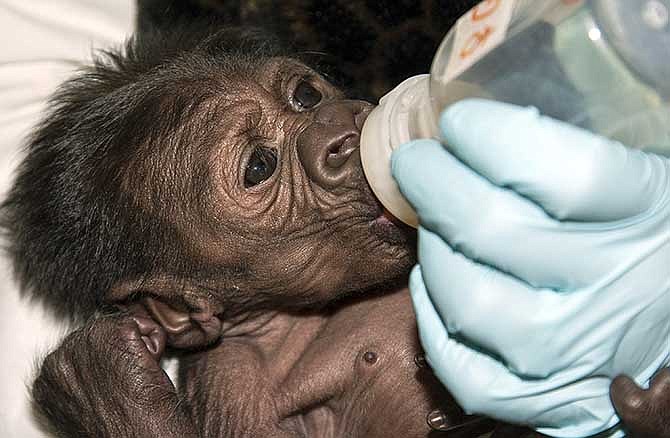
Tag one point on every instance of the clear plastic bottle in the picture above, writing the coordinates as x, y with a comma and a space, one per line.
603, 65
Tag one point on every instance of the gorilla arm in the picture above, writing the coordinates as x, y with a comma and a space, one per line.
105, 380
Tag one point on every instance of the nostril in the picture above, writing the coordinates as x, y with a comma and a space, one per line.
339, 151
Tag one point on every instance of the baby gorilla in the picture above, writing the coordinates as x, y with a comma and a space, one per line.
210, 185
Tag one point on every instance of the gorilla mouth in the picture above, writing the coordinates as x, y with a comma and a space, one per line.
386, 217
389, 228
382, 223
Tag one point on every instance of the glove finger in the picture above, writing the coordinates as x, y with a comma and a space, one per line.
571, 173
482, 385
458, 367
494, 310
483, 221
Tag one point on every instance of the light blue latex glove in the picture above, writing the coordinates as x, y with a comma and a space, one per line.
544, 265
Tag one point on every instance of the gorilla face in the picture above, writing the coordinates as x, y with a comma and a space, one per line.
286, 196
281, 199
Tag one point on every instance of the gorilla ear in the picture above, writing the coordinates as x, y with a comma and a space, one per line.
185, 329
188, 318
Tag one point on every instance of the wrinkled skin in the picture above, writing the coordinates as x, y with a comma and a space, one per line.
104, 381
317, 194
336, 373
321, 231
645, 412
346, 372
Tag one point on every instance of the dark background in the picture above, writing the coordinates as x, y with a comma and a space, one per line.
364, 46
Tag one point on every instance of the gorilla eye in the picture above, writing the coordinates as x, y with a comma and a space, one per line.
260, 167
305, 96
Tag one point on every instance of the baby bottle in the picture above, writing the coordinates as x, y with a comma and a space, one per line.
603, 65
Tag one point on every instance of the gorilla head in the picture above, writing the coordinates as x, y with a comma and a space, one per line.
200, 173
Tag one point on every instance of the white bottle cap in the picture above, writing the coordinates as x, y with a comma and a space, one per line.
391, 124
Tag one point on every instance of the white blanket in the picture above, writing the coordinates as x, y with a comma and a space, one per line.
41, 43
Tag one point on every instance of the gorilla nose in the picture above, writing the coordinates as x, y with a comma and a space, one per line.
341, 148
327, 145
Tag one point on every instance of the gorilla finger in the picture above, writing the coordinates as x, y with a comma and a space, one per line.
153, 336
629, 400
659, 388
644, 413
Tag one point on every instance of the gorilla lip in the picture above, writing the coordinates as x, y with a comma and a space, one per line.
386, 219
388, 227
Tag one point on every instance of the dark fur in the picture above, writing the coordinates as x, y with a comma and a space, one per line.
67, 205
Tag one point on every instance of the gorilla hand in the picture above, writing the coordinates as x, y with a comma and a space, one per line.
646, 413
104, 380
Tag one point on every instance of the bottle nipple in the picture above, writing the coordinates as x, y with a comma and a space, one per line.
387, 127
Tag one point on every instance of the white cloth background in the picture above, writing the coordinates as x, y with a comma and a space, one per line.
41, 43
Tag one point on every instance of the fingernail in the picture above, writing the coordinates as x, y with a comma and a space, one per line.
437, 420
151, 345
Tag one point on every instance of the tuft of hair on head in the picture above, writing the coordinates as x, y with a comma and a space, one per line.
70, 222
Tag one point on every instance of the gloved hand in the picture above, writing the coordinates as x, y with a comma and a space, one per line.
544, 264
